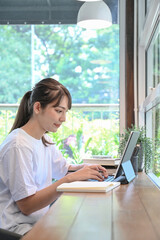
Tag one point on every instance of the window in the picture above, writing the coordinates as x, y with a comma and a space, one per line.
147, 5
149, 82
153, 89
86, 62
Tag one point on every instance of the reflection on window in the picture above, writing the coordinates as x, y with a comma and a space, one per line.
147, 5
153, 111
153, 119
153, 61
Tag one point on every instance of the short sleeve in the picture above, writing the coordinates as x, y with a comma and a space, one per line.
59, 163
17, 172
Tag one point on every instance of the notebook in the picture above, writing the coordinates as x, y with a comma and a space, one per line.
86, 186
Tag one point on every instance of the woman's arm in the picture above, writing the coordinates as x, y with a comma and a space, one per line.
41, 198
49, 194
75, 167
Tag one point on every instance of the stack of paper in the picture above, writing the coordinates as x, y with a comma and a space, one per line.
105, 161
109, 163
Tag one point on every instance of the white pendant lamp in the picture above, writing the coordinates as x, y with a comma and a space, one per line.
94, 15
89, 0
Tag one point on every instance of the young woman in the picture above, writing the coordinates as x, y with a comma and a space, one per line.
29, 159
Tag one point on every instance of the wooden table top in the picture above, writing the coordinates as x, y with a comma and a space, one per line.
129, 212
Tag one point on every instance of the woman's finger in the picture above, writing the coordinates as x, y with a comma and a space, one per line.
96, 174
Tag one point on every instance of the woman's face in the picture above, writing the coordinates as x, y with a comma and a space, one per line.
51, 118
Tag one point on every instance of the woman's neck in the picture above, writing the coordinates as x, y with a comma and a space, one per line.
32, 128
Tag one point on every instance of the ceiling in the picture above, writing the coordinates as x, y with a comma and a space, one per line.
45, 11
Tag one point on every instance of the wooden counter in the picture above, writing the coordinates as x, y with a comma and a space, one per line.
129, 212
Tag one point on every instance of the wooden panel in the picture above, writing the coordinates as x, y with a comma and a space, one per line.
93, 221
58, 221
129, 212
149, 195
129, 53
130, 219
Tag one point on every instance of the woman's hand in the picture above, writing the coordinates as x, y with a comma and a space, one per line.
95, 171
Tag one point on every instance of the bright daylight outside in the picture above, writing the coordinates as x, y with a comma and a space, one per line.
85, 61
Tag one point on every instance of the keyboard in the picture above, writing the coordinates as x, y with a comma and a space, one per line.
110, 178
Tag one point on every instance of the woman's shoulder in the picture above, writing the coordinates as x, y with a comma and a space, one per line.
11, 137
18, 137
9, 142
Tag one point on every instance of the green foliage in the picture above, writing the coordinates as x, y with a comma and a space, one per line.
58, 140
87, 63
87, 137
77, 158
15, 62
78, 136
156, 163
146, 146
6, 122
104, 139
78, 60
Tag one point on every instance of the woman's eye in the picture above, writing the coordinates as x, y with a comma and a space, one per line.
58, 111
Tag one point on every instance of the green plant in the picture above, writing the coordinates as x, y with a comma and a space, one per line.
156, 162
86, 137
146, 152
57, 139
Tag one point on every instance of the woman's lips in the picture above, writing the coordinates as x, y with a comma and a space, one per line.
57, 125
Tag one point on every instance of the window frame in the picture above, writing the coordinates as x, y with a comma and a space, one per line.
147, 23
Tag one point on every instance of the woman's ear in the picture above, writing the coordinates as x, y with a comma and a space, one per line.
37, 107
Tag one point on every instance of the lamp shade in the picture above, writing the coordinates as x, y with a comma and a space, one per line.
89, 0
94, 15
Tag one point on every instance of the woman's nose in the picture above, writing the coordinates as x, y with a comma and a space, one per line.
63, 117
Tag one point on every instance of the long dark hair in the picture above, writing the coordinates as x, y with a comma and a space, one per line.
46, 91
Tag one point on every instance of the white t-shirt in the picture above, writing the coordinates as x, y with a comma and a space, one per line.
26, 166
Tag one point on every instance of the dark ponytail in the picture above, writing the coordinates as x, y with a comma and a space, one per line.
24, 112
